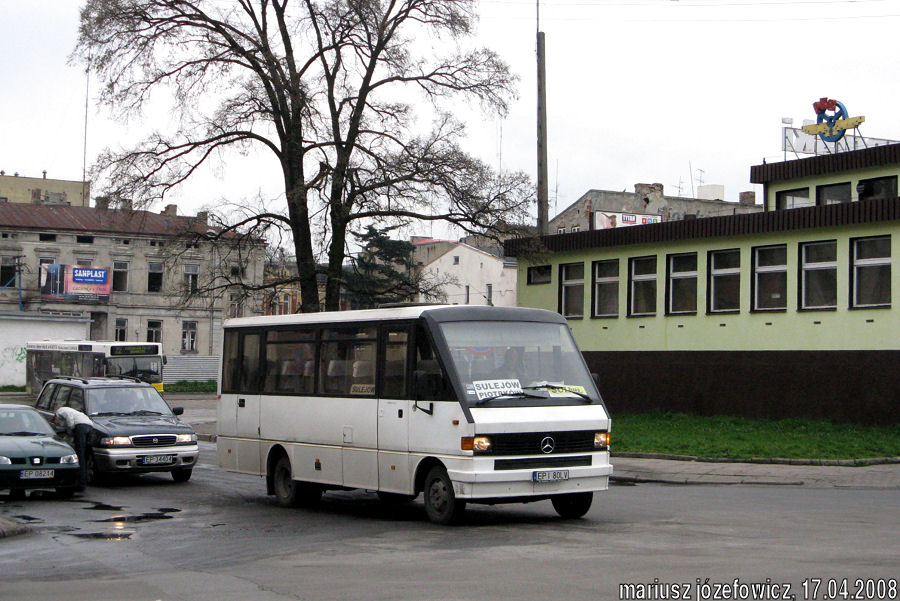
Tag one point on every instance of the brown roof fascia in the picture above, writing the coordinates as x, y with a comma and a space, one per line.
878, 156
865, 211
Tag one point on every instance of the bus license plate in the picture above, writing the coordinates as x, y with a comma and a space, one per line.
550, 475
156, 459
35, 474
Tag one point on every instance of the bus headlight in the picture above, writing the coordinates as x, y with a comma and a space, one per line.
479, 444
69, 458
115, 441
185, 438
601, 440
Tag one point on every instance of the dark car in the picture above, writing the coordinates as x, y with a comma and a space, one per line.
134, 430
32, 456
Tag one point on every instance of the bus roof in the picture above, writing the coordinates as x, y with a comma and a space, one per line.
438, 313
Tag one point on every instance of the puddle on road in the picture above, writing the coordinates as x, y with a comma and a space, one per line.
160, 514
98, 506
28, 518
117, 535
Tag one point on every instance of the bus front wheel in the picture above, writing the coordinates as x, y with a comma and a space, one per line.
572, 505
441, 503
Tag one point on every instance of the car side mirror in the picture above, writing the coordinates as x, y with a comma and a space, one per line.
177, 410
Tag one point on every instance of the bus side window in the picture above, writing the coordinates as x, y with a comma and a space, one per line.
396, 347
249, 374
426, 361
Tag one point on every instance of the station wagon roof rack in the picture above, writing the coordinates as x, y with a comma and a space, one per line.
82, 380
132, 378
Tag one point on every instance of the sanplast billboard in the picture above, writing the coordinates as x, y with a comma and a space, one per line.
75, 283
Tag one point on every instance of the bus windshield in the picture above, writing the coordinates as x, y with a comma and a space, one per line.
515, 363
147, 369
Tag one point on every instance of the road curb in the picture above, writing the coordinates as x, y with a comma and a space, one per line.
765, 460
696, 482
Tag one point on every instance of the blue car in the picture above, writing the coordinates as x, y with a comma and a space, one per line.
32, 456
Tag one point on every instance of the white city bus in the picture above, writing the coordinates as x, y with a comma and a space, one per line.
47, 359
464, 403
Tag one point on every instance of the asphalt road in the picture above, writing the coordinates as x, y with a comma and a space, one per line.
218, 537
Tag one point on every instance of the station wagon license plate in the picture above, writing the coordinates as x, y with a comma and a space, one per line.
155, 459
36, 474
549, 475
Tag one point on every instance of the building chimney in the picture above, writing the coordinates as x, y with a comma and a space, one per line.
45, 174
102, 203
170, 210
203, 217
747, 198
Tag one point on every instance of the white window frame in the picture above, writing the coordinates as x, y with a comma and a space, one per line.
764, 269
638, 278
192, 277
116, 268
606, 282
565, 286
681, 275
716, 273
189, 336
121, 330
863, 263
807, 267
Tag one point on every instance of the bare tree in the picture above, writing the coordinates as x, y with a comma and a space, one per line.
329, 88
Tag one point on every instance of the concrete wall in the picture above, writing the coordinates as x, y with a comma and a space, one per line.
17, 329
42, 190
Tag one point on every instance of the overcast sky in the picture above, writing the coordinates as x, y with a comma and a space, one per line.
637, 91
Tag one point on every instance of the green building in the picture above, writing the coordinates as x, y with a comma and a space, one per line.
784, 313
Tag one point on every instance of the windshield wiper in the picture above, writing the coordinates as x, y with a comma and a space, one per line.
520, 394
559, 387
145, 412
107, 413
26, 433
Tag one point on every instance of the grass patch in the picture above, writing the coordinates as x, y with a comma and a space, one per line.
742, 438
11, 388
189, 386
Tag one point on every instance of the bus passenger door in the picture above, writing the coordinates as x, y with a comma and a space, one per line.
393, 412
246, 405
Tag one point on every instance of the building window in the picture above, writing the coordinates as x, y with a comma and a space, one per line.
725, 281
560, 230
576, 228
456, 259
792, 199
191, 277
154, 277
7, 271
571, 293
235, 305
606, 288
871, 284
84, 239
284, 304
539, 274
833, 194
237, 271
682, 290
770, 278
47, 237
154, 330
120, 276
189, 335
818, 280
642, 286
489, 295
467, 295
84, 262
121, 330
877, 187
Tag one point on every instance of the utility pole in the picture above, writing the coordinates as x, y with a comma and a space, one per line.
543, 220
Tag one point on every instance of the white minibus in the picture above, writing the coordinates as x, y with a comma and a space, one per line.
466, 404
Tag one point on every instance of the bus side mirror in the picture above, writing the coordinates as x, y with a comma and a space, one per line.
165, 360
426, 385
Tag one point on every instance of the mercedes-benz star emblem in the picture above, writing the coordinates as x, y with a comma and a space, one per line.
547, 445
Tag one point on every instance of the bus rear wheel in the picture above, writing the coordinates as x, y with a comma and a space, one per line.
441, 503
572, 505
290, 492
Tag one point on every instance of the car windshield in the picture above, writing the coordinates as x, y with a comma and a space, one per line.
522, 363
23, 422
126, 400
148, 369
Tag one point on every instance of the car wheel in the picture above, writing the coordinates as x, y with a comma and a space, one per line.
91, 475
181, 475
441, 503
65, 492
17, 494
286, 488
572, 505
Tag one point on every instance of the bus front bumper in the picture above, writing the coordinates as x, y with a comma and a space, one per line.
497, 484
